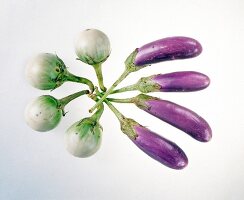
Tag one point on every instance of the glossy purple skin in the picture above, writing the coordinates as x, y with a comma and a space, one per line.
181, 118
165, 49
159, 148
181, 81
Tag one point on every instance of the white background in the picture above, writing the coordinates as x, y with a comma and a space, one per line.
36, 165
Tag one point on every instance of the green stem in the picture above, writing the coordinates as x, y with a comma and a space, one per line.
126, 89
127, 125
98, 70
74, 78
97, 115
128, 100
121, 78
115, 111
64, 101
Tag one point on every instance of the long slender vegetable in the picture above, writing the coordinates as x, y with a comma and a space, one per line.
157, 147
184, 81
165, 49
174, 114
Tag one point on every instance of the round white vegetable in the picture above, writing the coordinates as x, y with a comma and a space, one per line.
92, 46
83, 138
43, 113
44, 70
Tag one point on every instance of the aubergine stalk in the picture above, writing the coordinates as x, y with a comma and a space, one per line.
166, 49
184, 81
157, 147
174, 114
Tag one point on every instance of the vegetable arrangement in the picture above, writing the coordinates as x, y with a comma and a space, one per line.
47, 71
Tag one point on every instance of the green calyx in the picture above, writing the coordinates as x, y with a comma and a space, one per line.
146, 85
90, 61
89, 125
127, 127
60, 64
60, 69
51, 102
86, 59
129, 62
140, 101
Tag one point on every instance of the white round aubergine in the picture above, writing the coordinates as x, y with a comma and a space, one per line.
47, 71
83, 138
43, 114
92, 46
44, 71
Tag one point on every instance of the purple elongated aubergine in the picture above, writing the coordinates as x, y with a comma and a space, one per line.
166, 49
185, 81
157, 147
176, 115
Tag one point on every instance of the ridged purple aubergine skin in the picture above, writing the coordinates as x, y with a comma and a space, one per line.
159, 148
165, 49
181, 118
186, 81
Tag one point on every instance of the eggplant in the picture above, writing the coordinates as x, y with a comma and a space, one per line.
154, 145
186, 81
159, 148
183, 81
176, 115
166, 49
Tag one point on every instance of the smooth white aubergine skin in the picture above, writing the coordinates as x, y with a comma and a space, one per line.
43, 114
176, 115
157, 147
83, 138
185, 81
166, 49
44, 71
92, 46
